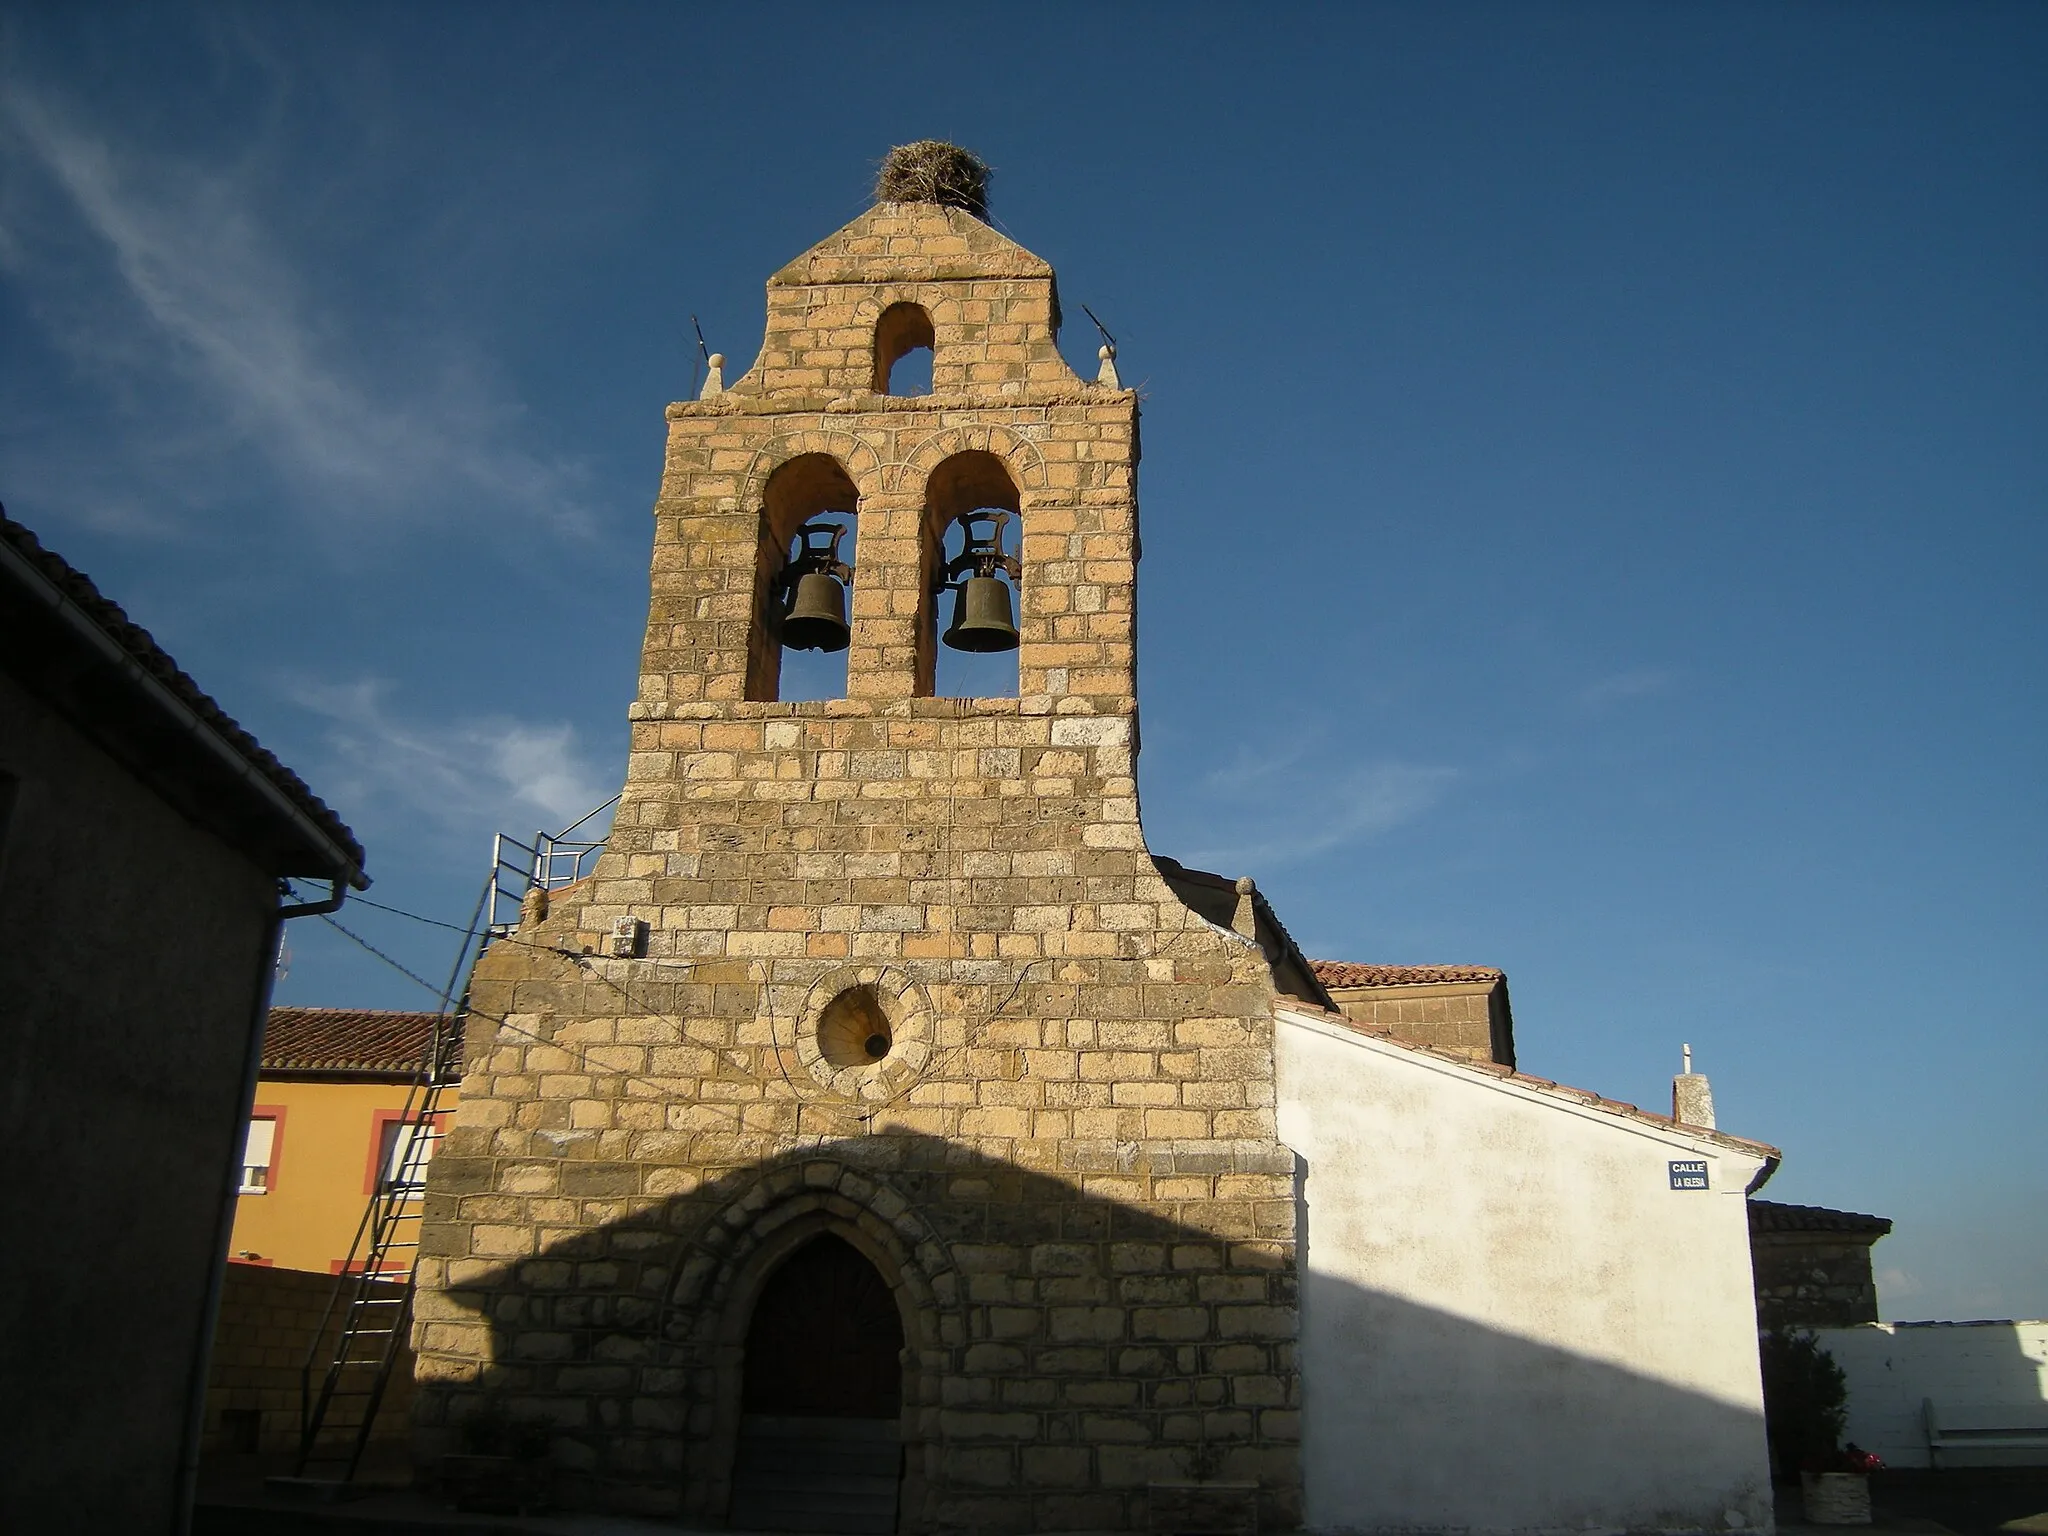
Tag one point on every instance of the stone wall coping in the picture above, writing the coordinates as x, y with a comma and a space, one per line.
1097, 705
1408, 991
791, 403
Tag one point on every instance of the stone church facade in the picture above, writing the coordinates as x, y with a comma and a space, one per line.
881, 1124
1063, 1163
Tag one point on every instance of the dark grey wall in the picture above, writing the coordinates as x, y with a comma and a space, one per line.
132, 950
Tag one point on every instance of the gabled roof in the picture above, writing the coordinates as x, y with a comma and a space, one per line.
1580, 1096
62, 639
1347, 973
371, 1040
1770, 1216
910, 243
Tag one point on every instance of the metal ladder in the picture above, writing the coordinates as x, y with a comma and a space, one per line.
374, 1299
374, 1293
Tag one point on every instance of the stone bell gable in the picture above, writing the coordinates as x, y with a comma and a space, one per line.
892, 968
991, 309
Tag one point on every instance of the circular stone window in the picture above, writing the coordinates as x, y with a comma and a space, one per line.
865, 1032
853, 1030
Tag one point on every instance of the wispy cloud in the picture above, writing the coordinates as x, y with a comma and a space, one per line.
1295, 803
163, 277
1621, 687
466, 777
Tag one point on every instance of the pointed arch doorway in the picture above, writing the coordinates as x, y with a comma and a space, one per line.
820, 1443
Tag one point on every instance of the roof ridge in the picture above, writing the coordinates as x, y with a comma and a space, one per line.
1585, 1097
299, 1038
1360, 973
141, 648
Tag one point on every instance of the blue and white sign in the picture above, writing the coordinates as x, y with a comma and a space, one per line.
1690, 1173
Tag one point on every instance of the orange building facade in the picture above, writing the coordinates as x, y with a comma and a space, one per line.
330, 1121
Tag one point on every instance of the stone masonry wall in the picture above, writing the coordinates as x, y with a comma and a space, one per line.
1065, 1164
1467, 1017
1813, 1279
266, 1329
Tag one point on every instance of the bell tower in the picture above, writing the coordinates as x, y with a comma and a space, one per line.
893, 968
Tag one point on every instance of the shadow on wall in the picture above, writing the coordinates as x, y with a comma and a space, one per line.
1063, 1348
1415, 1419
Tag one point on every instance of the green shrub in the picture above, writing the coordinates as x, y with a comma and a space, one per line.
1806, 1400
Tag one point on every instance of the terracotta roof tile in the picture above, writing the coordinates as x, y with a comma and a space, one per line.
136, 642
1770, 1216
1542, 1085
345, 1040
1347, 973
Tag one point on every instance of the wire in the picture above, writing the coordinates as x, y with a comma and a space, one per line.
503, 1023
432, 922
347, 933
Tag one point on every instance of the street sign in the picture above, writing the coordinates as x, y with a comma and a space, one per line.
1690, 1173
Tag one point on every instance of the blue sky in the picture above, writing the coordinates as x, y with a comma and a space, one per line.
1593, 489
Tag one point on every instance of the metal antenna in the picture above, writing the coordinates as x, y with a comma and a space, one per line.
701, 362
1099, 325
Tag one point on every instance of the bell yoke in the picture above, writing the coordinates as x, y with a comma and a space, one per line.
811, 593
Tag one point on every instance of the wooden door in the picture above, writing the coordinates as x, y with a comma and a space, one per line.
819, 1448
826, 1340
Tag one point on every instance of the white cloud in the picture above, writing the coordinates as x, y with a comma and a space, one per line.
467, 777
163, 278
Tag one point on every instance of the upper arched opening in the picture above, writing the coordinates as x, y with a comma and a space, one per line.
904, 346
973, 531
803, 581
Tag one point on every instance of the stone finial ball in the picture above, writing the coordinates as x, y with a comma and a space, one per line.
1245, 887
933, 171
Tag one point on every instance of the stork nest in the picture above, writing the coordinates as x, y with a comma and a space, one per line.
933, 171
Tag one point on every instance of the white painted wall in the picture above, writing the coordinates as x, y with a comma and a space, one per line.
1510, 1320
1893, 1367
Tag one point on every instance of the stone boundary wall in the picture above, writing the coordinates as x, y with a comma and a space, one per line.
268, 1317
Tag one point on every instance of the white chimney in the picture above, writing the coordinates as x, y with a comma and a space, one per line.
1692, 1100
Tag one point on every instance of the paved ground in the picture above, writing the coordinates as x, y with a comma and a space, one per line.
1970, 1502
235, 1501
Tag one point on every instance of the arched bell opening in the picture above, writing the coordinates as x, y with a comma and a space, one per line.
973, 580
803, 581
905, 347
820, 1445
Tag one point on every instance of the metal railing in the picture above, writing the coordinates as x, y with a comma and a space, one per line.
551, 861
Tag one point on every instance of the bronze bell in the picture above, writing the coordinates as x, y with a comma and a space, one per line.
817, 617
982, 617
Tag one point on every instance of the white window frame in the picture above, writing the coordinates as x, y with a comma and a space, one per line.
402, 1133
261, 1136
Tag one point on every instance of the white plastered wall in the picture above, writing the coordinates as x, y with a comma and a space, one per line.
1510, 1320
1892, 1369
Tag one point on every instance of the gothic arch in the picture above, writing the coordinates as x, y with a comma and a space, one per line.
721, 1279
